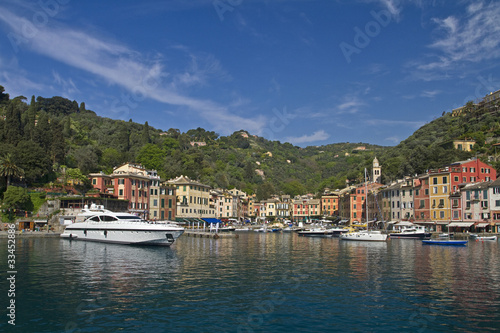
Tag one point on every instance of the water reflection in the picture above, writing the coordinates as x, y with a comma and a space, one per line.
258, 282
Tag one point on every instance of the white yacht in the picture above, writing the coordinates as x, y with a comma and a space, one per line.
101, 225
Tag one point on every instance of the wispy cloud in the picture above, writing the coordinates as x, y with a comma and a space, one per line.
320, 135
351, 105
121, 66
67, 85
430, 93
470, 38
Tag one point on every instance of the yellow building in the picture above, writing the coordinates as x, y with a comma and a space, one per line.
464, 145
439, 196
193, 198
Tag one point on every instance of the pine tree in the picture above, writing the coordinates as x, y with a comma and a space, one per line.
145, 134
12, 128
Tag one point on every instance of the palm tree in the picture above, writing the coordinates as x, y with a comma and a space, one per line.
8, 169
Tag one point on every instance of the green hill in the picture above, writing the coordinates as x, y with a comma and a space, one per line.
48, 133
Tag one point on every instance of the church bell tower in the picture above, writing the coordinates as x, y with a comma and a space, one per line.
376, 171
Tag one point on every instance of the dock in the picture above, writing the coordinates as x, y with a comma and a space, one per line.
202, 234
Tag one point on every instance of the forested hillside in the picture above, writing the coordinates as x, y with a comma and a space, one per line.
44, 136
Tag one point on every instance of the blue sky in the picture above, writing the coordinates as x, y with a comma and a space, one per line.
300, 71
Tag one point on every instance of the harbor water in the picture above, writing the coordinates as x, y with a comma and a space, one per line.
258, 282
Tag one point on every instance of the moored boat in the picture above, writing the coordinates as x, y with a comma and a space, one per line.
483, 238
411, 232
317, 232
97, 224
365, 235
444, 242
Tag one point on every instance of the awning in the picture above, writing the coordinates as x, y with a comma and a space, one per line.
482, 225
460, 224
211, 220
443, 222
425, 222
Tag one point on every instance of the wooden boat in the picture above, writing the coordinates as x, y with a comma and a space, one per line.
444, 242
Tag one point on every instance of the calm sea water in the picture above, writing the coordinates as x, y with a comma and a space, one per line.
256, 283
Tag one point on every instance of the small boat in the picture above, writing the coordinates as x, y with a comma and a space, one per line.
483, 238
223, 229
317, 232
365, 235
445, 235
444, 242
411, 232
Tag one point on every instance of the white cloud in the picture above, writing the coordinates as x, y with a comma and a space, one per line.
351, 105
124, 67
320, 135
430, 93
472, 38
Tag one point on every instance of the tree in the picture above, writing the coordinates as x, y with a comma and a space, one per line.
82, 107
29, 128
58, 144
145, 134
293, 188
12, 129
9, 170
33, 159
151, 157
264, 191
17, 198
4, 98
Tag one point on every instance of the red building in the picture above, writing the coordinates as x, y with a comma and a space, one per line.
421, 199
470, 171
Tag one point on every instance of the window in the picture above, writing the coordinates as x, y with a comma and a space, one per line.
434, 190
434, 180
497, 203
441, 215
445, 189
445, 180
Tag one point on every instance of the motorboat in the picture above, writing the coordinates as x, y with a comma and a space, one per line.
365, 235
317, 232
411, 232
444, 242
97, 224
483, 238
228, 228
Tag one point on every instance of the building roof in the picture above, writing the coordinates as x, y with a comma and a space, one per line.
185, 180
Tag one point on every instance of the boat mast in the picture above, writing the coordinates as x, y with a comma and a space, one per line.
366, 202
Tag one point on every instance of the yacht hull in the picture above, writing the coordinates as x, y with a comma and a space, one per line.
137, 236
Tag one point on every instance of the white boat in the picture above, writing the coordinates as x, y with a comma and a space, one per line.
483, 238
365, 235
411, 232
97, 224
316, 232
